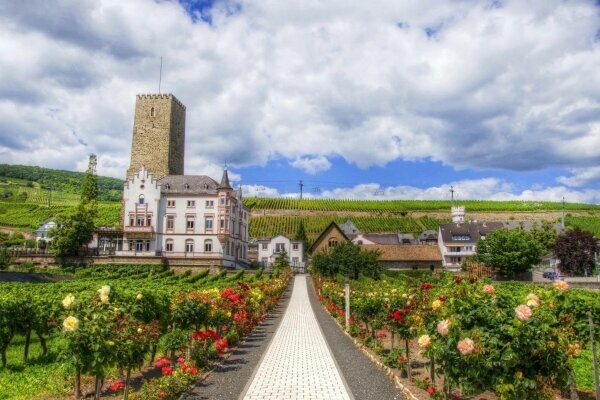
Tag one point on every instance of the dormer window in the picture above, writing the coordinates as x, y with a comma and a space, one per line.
167, 186
186, 186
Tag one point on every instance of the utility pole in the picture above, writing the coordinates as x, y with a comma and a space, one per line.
563, 213
452, 196
301, 186
160, 75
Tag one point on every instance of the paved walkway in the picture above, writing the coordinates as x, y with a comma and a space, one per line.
298, 363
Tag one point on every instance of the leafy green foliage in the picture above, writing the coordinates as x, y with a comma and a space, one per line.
509, 251
348, 258
282, 260
545, 235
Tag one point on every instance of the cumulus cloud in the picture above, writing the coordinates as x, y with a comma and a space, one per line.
468, 189
310, 165
505, 85
580, 176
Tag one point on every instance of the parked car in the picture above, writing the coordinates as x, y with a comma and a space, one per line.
551, 275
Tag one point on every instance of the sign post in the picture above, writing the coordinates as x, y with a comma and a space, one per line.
347, 297
594, 355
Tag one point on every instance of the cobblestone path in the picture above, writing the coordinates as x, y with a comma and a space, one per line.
298, 363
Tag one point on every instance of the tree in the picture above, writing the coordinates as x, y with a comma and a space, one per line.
509, 251
575, 250
282, 260
5, 258
348, 258
77, 230
301, 235
545, 235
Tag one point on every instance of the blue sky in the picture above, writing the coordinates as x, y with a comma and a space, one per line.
496, 98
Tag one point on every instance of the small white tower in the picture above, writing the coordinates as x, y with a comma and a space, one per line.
458, 214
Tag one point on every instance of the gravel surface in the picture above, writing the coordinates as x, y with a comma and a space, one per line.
366, 381
227, 382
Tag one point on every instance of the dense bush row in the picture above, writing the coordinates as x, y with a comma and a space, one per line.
130, 313
514, 339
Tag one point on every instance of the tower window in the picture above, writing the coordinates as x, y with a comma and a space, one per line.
152, 114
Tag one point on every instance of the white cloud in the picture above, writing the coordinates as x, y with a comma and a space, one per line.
580, 176
468, 189
509, 87
310, 165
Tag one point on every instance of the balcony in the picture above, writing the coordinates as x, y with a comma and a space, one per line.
138, 229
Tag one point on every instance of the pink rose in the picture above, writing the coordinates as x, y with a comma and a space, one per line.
561, 285
533, 300
489, 289
523, 312
466, 346
442, 327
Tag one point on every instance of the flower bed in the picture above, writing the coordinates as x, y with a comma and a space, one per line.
470, 338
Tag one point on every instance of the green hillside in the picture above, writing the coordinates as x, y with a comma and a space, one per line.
45, 183
400, 206
26, 201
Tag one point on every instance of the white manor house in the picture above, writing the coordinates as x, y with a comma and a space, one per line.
171, 215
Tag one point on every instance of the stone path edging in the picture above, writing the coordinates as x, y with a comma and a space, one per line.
375, 360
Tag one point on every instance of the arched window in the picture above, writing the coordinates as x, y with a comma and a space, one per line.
169, 245
208, 246
333, 242
152, 114
189, 246
141, 199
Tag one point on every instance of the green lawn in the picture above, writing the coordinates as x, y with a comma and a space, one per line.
42, 378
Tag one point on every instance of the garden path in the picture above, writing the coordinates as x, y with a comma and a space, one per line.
298, 363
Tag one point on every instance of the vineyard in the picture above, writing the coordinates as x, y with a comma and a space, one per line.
256, 203
29, 215
268, 226
108, 322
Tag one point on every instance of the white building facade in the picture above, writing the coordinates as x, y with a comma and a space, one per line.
269, 249
42, 233
183, 217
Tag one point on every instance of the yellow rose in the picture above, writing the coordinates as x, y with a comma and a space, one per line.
436, 305
68, 301
140, 330
71, 324
139, 296
424, 341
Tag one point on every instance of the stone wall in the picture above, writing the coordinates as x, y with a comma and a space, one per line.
158, 140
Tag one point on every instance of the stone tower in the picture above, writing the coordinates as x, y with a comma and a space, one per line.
158, 135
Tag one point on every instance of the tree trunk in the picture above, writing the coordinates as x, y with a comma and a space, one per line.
573, 387
77, 382
392, 349
408, 367
98, 388
432, 371
43, 344
27, 342
153, 353
126, 389
3, 352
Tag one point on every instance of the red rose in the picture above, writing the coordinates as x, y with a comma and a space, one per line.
167, 370
431, 390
